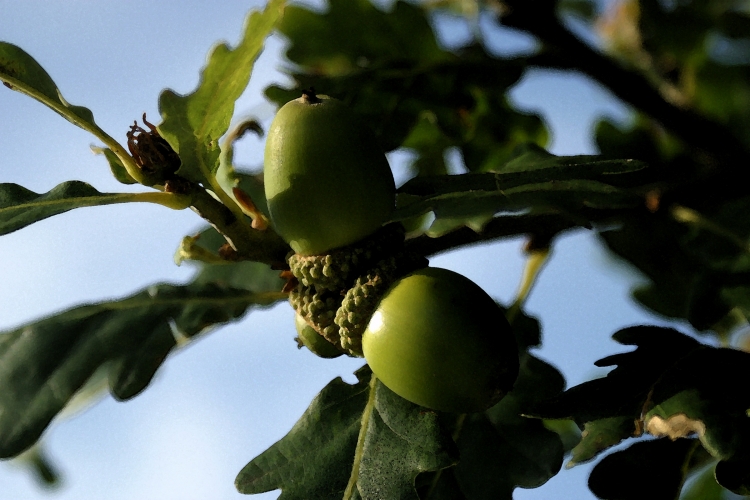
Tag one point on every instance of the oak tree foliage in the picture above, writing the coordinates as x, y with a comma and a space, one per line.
665, 194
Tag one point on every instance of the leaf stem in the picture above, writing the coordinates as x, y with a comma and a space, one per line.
689, 216
359, 450
228, 201
534, 264
250, 244
68, 113
498, 228
169, 200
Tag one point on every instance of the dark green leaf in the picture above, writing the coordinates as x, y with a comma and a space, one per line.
194, 123
390, 68
43, 364
351, 34
681, 285
527, 330
315, 459
534, 180
501, 450
623, 391
671, 386
20, 207
718, 237
734, 475
493, 130
532, 166
649, 469
699, 394
402, 441
115, 165
567, 196
430, 145
722, 92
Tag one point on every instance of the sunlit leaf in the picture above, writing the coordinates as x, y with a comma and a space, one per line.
194, 123
115, 165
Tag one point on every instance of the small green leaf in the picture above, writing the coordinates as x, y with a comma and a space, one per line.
115, 165
246, 275
37, 461
20, 207
599, 435
315, 459
44, 364
430, 144
193, 124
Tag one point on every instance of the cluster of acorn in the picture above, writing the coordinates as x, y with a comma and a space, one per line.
430, 335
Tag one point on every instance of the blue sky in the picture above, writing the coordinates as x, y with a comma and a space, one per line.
227, 397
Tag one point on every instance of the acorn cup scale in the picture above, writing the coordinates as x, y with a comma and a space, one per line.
327, 182
438, 340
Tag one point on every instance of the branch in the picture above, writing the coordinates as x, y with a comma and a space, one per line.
565, 51
250, 244
545, 226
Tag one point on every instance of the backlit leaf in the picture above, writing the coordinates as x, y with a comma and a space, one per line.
194, 123
20, 207
43, 364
